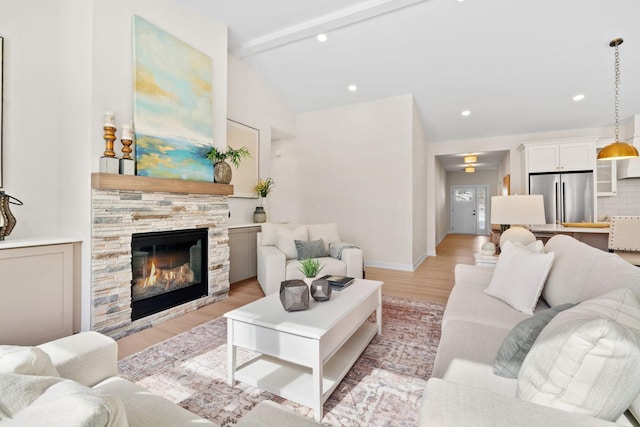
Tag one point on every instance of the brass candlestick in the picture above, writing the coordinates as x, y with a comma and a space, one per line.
109, 137
126, 148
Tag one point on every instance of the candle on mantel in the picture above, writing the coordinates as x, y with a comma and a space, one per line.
127, 132
109, 119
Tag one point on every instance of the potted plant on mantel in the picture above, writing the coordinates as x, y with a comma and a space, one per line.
262, 188
221, 170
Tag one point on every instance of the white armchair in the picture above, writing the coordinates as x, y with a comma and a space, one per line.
278, 254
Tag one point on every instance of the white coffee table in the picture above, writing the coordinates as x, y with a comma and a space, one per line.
304, 354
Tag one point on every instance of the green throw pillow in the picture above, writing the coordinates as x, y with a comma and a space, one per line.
310, 249
518, 342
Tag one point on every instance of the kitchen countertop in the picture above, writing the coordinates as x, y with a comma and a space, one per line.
557, 228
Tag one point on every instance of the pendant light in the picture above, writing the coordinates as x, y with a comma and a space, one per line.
617, 150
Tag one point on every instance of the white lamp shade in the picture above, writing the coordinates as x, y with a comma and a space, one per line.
520, 210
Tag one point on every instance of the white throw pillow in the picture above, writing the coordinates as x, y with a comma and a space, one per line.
15, 359
536, 246
327, 232
269, 232
287, 241
519, 276
36, 401
586, 359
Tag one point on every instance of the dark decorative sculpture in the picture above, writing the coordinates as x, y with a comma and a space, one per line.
7, 220
294, 295
321, 290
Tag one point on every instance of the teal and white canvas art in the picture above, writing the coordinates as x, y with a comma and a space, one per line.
173, 107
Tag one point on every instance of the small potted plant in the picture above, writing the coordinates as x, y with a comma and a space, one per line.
310, 267
262, 188
221, 170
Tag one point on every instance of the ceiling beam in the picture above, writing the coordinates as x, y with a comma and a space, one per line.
331, 21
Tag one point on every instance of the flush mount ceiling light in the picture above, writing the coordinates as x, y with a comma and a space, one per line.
321, 38
466, 113
352, 88
617, 150
470, 159
469, 169
578, 97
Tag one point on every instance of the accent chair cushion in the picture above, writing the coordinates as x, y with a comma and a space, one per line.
286, 241
310, 249
15, 359
327, 232
519, 276
586, 359
519, 341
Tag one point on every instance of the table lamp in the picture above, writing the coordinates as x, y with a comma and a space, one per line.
517, 212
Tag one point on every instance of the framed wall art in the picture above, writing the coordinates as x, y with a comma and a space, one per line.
173, 106
246, 176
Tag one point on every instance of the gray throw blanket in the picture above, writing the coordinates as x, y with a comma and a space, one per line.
335, 249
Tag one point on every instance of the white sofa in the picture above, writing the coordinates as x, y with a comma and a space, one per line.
74, 382
278, 257
464, 390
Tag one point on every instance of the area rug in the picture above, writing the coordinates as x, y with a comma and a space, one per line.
383, 388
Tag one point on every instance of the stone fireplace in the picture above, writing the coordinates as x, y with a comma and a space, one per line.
119, 212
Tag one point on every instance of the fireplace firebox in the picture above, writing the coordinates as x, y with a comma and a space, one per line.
169, 268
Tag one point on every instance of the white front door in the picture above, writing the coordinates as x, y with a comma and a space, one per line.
469, 209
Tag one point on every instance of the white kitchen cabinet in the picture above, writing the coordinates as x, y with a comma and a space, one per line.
607, 178
561, 156
38, 292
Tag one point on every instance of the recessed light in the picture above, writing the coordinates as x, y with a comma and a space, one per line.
321, 38
578, 97
466, 113
470, 159
352, 88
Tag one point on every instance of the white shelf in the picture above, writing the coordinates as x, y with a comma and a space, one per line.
293, 381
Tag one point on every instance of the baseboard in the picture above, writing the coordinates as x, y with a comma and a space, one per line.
389, 266
419, 261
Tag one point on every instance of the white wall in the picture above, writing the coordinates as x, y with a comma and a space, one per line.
419, 202
252, 102
353, 165
441, 208
31, 106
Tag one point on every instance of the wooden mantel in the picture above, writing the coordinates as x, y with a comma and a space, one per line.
110, 181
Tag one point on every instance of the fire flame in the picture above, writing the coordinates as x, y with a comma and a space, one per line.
151, 278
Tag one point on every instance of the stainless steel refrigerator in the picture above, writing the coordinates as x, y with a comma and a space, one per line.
568, 197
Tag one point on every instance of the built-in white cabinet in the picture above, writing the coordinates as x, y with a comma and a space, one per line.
561, 156
243, 257
38, 292
607, 181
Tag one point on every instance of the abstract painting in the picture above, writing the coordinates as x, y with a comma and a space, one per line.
173, 107
245, 177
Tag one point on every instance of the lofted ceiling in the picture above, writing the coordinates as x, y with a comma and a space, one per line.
515, 65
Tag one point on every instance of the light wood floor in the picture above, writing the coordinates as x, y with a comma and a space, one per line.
431, 281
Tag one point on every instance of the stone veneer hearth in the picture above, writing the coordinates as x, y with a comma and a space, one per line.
116, 214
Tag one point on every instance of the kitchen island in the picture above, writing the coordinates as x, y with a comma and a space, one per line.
596, 236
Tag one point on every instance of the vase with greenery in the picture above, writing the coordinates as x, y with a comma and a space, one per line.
264, 186
310, 267
221, 170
